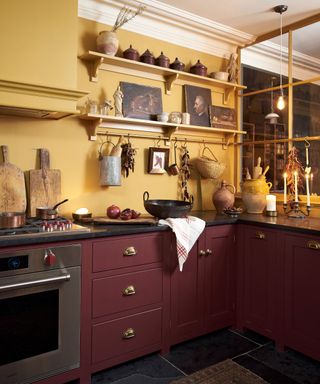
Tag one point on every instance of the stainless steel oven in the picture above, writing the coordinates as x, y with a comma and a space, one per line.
39, 313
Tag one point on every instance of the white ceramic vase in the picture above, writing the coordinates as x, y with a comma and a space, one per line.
107, 43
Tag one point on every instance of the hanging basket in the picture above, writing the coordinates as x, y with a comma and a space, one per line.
209, 168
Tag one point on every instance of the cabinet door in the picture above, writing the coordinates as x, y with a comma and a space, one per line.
260, 265
186, 297
219, 277
302, 294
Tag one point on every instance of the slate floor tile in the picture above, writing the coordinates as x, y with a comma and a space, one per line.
290, 363
146, 370
268, 374
210, 349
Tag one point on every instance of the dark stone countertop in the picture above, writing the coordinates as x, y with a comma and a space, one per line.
282, 222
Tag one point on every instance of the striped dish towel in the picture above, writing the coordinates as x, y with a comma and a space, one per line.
187, 231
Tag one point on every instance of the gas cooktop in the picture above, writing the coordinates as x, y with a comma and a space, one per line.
37, 227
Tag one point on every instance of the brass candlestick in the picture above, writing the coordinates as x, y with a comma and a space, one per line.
296, 212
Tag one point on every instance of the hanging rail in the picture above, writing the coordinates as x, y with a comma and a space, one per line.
306, 138
224, 142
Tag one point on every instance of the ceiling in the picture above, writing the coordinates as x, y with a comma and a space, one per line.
257, 17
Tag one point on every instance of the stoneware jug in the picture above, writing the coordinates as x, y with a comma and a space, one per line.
107, 43
254, 193
224, 196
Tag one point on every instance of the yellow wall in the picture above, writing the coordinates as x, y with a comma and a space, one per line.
77, 157
38, 41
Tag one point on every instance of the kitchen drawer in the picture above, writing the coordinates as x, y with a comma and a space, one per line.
122, 292
127, 251
109, 340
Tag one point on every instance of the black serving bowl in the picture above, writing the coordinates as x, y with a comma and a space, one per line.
166, 208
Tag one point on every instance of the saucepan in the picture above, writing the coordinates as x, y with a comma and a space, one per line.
12, 219
46, 213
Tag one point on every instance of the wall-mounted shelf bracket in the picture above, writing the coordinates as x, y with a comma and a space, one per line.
94, 69
170, 82
227, 92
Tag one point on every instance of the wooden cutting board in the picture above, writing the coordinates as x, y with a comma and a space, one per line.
44, 185
140, 220
12, 186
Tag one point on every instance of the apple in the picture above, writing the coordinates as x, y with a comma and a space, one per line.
113, 212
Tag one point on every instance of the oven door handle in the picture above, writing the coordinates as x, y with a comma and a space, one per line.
32, 283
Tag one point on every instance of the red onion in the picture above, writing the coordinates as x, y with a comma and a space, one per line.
113, 212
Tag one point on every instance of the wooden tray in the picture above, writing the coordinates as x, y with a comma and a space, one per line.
140, 220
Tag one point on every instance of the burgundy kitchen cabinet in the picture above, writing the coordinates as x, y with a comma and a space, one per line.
258, 279
202, 295
301, 313
128, 311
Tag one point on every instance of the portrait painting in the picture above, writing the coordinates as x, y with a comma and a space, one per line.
223, 117
158, 160
198, 101
140, 101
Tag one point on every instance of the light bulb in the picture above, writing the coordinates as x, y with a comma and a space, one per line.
281, 103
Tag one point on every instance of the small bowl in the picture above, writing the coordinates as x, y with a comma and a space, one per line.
81, 216
232, 211
223, 76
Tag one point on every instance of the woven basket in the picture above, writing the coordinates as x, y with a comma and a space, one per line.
209, 168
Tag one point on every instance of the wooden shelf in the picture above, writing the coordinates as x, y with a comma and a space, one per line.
99, 61
101, 123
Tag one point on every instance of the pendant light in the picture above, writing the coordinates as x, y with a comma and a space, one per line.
272, 116
280, 9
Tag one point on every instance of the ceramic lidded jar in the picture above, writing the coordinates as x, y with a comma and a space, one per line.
177, 65
224, 197
107, 43
254, 193
131, 54
147, 57
163, 61
199, 69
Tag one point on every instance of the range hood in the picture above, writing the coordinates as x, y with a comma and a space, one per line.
38, 101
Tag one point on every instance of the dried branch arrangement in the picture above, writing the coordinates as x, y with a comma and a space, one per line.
125, 15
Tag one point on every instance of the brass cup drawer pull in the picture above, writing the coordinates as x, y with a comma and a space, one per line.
130, 290
208, 252
312, 244
128, 334
260, 235
130, 251
202, 252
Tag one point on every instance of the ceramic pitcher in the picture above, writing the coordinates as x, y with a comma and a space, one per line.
224, 196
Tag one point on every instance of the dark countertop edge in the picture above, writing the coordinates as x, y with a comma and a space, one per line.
308, 225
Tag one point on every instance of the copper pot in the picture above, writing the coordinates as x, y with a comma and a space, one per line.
46, 213
12, 219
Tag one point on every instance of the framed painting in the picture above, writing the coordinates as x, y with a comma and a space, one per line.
223, 117
140, 101
158, 160
198, 101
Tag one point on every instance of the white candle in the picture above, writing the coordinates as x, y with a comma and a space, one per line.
307, 156
295, 186
307, 189
311, 183
271, 202
284, 188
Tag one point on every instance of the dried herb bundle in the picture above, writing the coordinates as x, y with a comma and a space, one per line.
294, 165
127, 158
125, 15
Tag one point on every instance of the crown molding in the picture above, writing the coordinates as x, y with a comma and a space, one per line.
266, 56
164, 22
